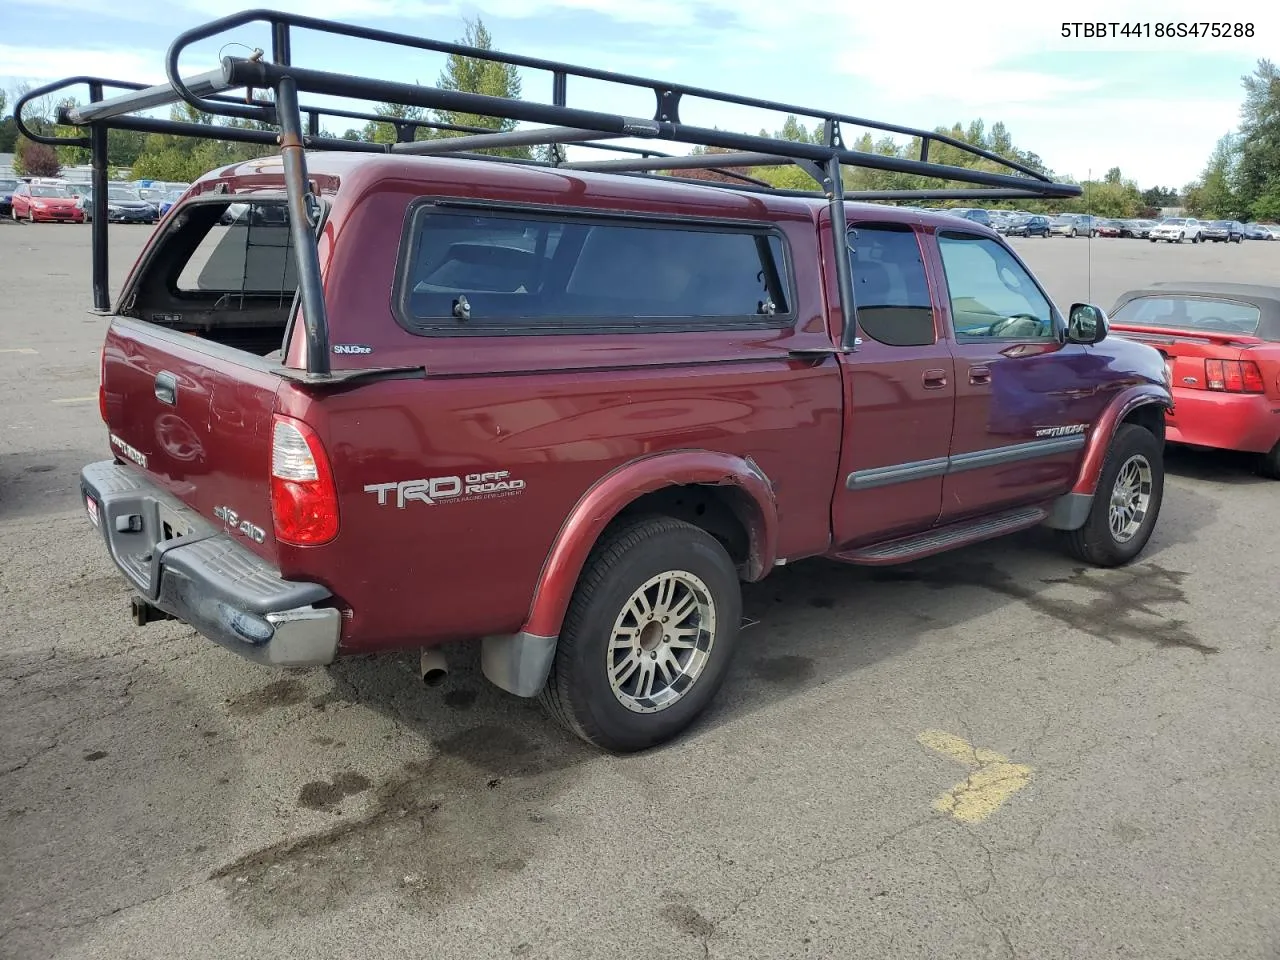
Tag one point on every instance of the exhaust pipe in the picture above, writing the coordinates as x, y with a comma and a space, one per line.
433, 667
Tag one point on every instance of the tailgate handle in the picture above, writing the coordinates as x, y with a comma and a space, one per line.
167, 388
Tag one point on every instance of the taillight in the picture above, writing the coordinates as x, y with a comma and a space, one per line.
1233, 376
102, 383
304, 500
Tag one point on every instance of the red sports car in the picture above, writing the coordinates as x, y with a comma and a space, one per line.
1221, 343
45, 201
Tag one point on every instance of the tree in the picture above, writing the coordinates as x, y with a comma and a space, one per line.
1218, 198
478, 75
1258, 170
1112, 176
31, 159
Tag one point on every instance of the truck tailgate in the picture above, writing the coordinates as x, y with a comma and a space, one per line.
196, 417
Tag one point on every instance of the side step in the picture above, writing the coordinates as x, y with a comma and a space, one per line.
946, 538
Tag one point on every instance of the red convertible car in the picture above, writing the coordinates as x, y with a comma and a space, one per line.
1221, 343
45, 201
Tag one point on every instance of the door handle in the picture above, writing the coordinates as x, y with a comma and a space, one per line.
167, 388
979, 375
934, 379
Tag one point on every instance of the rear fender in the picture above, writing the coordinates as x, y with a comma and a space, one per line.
604, 501
1071, 511
519, 663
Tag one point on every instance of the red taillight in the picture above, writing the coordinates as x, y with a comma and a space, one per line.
304, 500
102, 383
1252, 377
1233, 376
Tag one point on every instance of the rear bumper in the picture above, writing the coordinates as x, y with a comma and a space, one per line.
1224, 421
197, 573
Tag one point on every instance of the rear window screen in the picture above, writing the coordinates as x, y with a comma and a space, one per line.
469, 270
1191, 313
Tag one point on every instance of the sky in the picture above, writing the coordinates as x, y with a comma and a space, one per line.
1152, 106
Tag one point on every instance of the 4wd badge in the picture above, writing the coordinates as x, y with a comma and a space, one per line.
438, 490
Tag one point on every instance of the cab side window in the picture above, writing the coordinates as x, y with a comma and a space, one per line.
890, 288
992, 296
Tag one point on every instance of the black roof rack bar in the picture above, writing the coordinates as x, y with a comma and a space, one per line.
513, 138
255, 73
667, 94
702, 161
209, 93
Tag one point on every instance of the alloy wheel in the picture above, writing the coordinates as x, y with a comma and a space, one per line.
1130, 498
661, 641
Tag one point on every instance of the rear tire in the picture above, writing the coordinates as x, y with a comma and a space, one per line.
1126, 503
648, 636
1269, 463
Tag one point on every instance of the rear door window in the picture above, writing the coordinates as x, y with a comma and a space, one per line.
469, 272
890, 288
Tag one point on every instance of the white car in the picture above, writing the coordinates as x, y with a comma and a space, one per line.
1177, 229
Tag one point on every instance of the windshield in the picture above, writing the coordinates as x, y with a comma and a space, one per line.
1174, 223
8, 184
46, 191
1222, 224
1191, 313
119, 193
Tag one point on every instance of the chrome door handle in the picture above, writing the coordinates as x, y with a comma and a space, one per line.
979, 375
934, 379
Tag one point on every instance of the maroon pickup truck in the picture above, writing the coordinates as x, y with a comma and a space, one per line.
567, 411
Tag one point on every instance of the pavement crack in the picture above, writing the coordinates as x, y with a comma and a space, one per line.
809, 868
97, 917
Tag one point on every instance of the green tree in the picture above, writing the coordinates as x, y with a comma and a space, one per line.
1218, 197
1258, 170
478, 75
1112, 176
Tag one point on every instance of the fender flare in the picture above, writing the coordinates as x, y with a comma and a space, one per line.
613, 492
1095, 453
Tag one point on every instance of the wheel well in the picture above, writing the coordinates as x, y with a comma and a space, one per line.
1150, 416
723, 511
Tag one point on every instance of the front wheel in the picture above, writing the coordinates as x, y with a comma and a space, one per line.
1126, 502
648, 636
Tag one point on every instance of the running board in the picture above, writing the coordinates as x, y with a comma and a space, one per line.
944, 538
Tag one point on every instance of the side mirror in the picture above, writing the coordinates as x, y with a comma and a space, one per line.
1087, 324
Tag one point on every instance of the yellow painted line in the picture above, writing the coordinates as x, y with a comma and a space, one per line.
993, 780
77, 399
16, 350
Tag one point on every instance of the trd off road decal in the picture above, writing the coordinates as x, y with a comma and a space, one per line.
434, 491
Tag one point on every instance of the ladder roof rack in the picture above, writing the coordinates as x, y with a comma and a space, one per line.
558, 123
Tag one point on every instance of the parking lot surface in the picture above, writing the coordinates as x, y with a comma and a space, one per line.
995, 753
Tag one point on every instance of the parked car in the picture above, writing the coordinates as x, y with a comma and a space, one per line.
1223, 231
1177, 229
1107, 228
124, 205
173, 196
1262, 231
1221, 342
1030, 226
1136, 229
565, 414
7, 186
1068, 225
44, 201
976, 214
640, 519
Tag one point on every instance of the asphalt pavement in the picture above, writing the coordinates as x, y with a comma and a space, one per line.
995, 753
